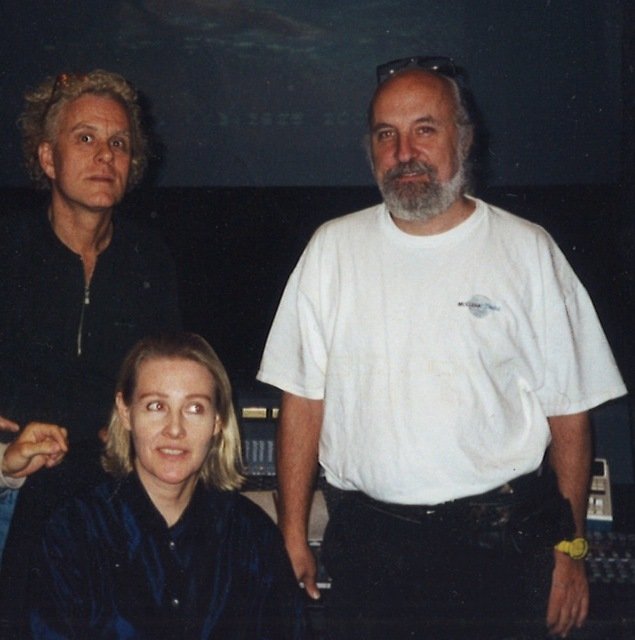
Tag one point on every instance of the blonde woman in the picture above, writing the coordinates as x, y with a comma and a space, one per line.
166, 548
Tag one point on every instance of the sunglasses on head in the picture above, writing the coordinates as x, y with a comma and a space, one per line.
437, 64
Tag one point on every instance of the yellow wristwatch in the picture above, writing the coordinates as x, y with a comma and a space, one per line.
576, 548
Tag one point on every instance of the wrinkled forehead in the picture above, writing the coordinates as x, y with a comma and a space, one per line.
101, 105
413, 89
89, 105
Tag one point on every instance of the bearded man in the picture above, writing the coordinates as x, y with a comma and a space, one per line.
438, 358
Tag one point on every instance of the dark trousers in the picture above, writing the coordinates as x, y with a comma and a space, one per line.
465, 570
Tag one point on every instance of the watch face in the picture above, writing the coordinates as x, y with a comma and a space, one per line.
576, 549
579, 548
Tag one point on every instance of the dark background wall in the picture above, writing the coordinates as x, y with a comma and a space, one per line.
273, 92
259, 106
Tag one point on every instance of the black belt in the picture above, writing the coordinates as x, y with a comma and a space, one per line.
516, 491
529, 511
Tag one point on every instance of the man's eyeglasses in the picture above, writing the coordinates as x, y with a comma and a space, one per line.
436, 64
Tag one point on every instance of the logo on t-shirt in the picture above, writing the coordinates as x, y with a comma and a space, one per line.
479, 306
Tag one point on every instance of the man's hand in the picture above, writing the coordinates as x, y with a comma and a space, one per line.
38, 445
569, 597
297, 439
570, 457
305, 568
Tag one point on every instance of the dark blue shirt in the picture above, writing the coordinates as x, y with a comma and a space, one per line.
110, 567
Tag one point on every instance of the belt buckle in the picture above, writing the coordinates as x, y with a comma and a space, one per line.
505, 489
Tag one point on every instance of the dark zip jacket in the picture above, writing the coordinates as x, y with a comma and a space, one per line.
61, 343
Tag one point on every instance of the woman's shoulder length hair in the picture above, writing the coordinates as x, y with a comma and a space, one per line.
223, 466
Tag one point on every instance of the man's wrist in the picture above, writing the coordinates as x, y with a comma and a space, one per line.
294, 535
3, 465
6, 480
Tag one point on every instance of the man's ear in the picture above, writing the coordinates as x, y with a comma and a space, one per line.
123, 411
45, 156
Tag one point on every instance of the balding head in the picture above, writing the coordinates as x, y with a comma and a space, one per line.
453, 91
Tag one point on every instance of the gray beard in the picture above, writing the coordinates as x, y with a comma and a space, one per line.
419, 202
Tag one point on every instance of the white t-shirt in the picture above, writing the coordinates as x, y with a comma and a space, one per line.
438, 357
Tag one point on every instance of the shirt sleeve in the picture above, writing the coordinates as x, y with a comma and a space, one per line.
295, 355
59, 596
581, 372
